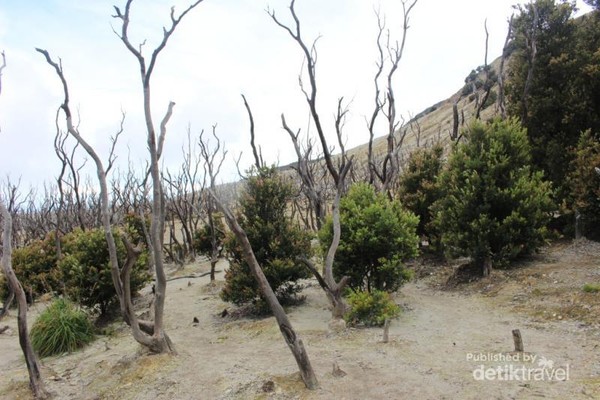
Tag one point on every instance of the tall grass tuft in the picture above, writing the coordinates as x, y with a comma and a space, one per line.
61, 328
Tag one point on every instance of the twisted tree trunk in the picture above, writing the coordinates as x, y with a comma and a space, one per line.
33, 366
285, 326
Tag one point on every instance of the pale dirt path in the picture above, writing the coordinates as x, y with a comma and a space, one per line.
227, 359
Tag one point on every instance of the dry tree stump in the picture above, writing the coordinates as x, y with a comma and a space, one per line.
518, 339
337, 371
386, 331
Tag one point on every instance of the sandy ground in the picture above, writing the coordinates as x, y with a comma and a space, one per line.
430, 354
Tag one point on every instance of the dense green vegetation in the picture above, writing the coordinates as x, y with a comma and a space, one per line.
371, 308
495, 207
86, 270
378, 236
276, 240
419, 187
563, 97
82, 273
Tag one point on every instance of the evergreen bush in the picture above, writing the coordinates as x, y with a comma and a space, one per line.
378, 235
86, 269
370, 308
495, 207
276, 240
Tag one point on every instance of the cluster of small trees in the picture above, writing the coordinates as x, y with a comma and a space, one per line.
485, 198
553, 87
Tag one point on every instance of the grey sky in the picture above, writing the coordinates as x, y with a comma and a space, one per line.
223, 48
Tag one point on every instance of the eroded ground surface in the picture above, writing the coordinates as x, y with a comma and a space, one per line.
430, 354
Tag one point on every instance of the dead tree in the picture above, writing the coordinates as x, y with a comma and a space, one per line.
146, 333
36, 382
455, 121
73, 180
38, 217
487, 84
338, 173
183, 194
155, 146
501, 102
12, 192
213, 160
387, 172
256, 151
531, 43
313, 192
379, 102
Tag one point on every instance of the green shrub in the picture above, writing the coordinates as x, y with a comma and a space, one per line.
495, 207
371, 309
203, 236
584, 184
419, 187
83, 272
86, 268
35, 267
61, 328
276, 240
378, 235
591, 288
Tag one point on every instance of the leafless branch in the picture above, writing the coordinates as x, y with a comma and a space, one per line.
501, 100
258, 161
311, 96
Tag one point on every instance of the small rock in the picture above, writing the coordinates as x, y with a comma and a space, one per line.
337, 372
268, 386
196, 320
337, 325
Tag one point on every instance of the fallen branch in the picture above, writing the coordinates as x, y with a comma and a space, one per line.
3, 329
190, 276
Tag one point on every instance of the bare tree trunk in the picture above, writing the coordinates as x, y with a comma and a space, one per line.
160, 341
156, 340
285, 326
338, 174
487, 266
386, 331
33, 367
501, 100
531, 40
454, 134
486, 85
390, 167
212, 166
518, 340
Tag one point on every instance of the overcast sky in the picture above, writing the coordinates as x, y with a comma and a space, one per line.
220, 50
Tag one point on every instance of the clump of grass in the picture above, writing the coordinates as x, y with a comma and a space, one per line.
61, 328
591, 288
